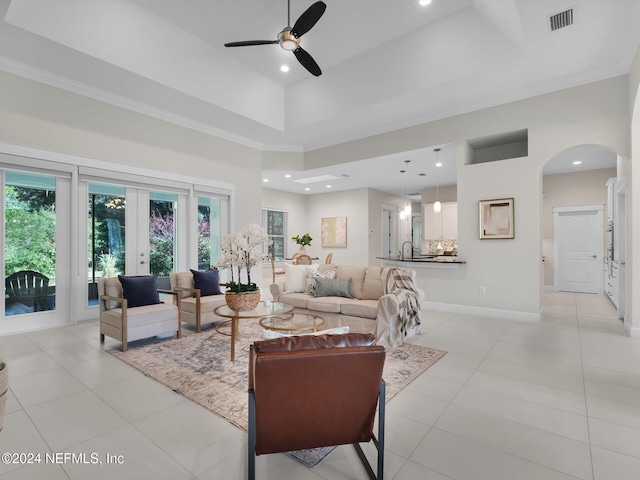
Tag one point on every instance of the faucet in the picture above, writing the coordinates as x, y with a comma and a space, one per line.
402, 251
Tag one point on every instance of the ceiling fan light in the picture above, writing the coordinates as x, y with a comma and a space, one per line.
288, 41
437, 207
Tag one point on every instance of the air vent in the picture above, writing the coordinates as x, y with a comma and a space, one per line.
561, 20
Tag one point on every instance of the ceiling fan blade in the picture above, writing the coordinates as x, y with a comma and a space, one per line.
249, 43
308, 19
307, 61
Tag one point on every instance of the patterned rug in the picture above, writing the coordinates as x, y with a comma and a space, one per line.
198, 367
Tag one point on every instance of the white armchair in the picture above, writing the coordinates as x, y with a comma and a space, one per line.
126, 324
196, 307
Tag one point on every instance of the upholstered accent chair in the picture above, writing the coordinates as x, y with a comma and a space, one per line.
315, 391
123, 317
196, 305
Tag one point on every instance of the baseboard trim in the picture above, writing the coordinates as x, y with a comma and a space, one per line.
485, 312
634, 332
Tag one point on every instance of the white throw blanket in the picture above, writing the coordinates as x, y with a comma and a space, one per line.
399, 283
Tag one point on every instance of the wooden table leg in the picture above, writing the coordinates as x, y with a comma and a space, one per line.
234, 334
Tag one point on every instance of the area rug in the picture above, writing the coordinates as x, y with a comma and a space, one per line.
198, 367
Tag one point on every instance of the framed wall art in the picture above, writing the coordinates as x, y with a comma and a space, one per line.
334, 232
496, 219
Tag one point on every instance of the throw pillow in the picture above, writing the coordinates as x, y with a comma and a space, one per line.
208, 282
311, 279
333, 287
295, 277
140, 291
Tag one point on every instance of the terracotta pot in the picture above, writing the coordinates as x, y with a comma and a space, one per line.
4, 387
242, 302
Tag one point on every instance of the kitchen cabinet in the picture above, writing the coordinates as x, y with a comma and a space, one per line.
440, 225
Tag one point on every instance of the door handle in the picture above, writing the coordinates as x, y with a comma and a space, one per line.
142, 262
594, 256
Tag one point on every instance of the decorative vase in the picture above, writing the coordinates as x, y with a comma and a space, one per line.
4, 387
302, 251
243, 301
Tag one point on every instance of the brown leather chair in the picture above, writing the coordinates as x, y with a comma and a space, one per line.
314, 391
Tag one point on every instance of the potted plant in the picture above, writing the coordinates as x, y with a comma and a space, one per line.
239, 252
303, 241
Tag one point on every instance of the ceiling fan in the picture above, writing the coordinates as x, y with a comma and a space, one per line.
289, 37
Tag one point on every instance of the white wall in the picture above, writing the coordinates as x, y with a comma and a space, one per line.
633, 199
53, 119
511, 270
352, 204
568, 189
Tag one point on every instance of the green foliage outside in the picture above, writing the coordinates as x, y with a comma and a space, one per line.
30, 231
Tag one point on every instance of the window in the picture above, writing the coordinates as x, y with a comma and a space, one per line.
209, 230
276, 224
30, 242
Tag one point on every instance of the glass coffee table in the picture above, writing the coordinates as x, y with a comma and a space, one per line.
297, 322
261, 311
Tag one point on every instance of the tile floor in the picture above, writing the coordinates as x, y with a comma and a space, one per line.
559, 399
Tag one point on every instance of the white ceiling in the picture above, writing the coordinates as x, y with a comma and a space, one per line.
386, 64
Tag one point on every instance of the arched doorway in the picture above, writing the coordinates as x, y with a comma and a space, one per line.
583, 222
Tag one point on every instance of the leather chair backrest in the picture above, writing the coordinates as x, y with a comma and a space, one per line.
313, 391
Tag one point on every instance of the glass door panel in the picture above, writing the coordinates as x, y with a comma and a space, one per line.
30, 243
209, 231
106, 224
162, 236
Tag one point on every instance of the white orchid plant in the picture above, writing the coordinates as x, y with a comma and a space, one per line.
242, 250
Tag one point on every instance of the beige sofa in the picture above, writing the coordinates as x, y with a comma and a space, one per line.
369, 311
196, 309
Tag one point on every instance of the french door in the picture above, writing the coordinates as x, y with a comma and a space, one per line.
35, 248
131, 231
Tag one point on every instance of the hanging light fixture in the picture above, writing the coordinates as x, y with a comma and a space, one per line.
407, 207
403, 213
406, 211
437, 207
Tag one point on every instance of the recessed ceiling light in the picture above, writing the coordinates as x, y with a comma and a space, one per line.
328, 186
265, 179
284, 68
439, 164
578, 162
307, 189
287, 176
424, 2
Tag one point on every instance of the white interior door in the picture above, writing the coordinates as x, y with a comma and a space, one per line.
578, 233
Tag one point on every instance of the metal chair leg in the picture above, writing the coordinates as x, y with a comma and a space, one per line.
252, 436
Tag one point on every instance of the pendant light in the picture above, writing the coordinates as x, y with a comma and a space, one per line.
437, 207
403, 211
407, 207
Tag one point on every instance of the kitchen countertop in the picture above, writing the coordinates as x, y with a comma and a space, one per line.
426, 259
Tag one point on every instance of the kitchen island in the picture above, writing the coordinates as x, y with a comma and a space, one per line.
423, 261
